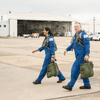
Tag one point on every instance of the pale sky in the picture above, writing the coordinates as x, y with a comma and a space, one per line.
79, 9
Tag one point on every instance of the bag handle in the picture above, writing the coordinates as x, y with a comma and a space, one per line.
52, 61
86, 61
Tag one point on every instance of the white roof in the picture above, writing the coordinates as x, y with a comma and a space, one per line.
37, 16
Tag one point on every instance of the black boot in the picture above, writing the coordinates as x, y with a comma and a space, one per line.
60, 81
35, 82
67, 87
85, 87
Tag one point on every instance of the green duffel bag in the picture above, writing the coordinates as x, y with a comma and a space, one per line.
52, 70
86, 70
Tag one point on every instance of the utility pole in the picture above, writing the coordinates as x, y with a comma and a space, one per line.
93, 25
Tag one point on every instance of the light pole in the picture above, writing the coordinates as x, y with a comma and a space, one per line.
93, 25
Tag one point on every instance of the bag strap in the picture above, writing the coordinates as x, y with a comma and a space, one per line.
79, 40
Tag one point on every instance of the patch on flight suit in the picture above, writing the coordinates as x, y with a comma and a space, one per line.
51, 39
85, 36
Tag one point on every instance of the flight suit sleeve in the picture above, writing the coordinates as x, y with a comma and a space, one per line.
86, 42
41, 48
52, 45
70, 47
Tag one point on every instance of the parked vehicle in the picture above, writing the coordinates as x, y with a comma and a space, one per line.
26, 35
35, 35
96, 36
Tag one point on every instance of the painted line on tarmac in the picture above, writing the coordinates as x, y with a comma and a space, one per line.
71, 96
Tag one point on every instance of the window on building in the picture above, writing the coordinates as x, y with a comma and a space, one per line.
4, 25
0, 25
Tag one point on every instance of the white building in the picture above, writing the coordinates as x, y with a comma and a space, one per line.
91, 26
14, 25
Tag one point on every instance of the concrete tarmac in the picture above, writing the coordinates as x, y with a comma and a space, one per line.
19, 68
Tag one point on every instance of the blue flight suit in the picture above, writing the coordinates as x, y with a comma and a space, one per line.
48, 53
80, 53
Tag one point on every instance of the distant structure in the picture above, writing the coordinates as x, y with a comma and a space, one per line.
9, 11
91, 26
14, 24
94, 25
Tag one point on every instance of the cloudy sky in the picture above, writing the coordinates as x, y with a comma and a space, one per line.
79, 9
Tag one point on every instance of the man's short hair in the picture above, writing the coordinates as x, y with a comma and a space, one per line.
78, 23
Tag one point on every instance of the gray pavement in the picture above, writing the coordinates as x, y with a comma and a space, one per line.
16, 84
19, 68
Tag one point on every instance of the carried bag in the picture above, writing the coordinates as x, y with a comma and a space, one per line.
52, 70
86, 70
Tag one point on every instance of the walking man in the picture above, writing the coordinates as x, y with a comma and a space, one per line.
81, 45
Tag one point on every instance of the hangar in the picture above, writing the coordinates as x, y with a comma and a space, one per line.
14, 25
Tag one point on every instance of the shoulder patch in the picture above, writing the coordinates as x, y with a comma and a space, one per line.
50, 39
85, 36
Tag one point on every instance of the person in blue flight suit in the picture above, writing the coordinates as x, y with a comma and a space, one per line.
81, 54
49, 56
